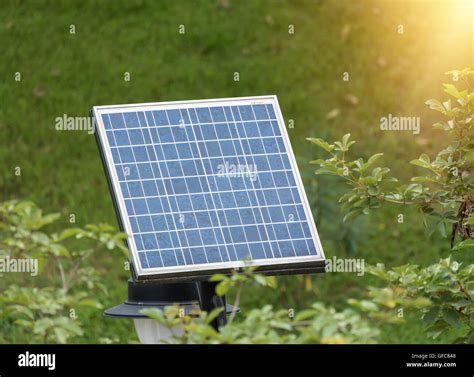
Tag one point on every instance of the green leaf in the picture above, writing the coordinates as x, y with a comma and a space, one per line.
70, 232
353, 213
305, 314
374, 158
431, 315
327, 169
317, 162
435, 105
59, 250
437, 329
452, 90
460, 303
424, 157
365, 166
369, 180
18, 309
346, 144
442, 228
378, 270
218, 277
470, 220
373, 190
463, 245
470, 338
451, 316
260, 279
442, 126
24, 323
155, 314
422, 162
321, 143
213, 315
423, 180
90, 303
272, 281
222, 287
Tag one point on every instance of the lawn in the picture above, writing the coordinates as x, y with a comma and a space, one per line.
389, 73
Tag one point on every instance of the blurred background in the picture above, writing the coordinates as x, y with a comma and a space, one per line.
390, 72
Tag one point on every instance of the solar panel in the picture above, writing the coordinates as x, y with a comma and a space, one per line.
206, 186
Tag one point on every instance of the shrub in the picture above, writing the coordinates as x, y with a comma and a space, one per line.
46, 311
445, 198
319, 324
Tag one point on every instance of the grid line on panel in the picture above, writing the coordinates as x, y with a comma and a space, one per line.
278, 195
200, 184
133, 206
141, 183
187, 193
218, 209
186, 142
217, 227
295, 200
233, 192
174, 194
191, 124
206, 176
143, 129
212, 198
192, 158
210, 192
265, 230
292, 195
238, 243
264, 198
253, 187
169, 203
186, 128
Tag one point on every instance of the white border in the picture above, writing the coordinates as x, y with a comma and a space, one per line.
98, 111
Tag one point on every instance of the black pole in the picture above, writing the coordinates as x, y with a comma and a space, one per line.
209, 300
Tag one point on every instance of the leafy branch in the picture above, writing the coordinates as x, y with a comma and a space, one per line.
47, 312
443, 194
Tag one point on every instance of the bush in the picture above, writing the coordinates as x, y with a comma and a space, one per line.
359, 323
444, 196
66, 280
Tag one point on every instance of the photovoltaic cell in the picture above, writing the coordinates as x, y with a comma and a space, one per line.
206, 185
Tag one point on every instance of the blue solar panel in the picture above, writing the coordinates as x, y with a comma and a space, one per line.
206, 185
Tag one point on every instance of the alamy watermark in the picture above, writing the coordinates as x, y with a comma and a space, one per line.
26, 265
345, 265
70, 123
237, 170
396, 123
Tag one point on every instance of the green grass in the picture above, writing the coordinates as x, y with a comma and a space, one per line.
62, 171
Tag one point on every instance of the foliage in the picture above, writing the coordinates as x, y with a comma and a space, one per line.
447, 284
318, 324
444, 196
67, 283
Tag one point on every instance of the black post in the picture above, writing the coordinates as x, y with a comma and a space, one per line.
209, 300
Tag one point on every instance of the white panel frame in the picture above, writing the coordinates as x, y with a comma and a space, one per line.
98, 111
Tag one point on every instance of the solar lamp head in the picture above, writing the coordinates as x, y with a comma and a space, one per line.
152, 294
